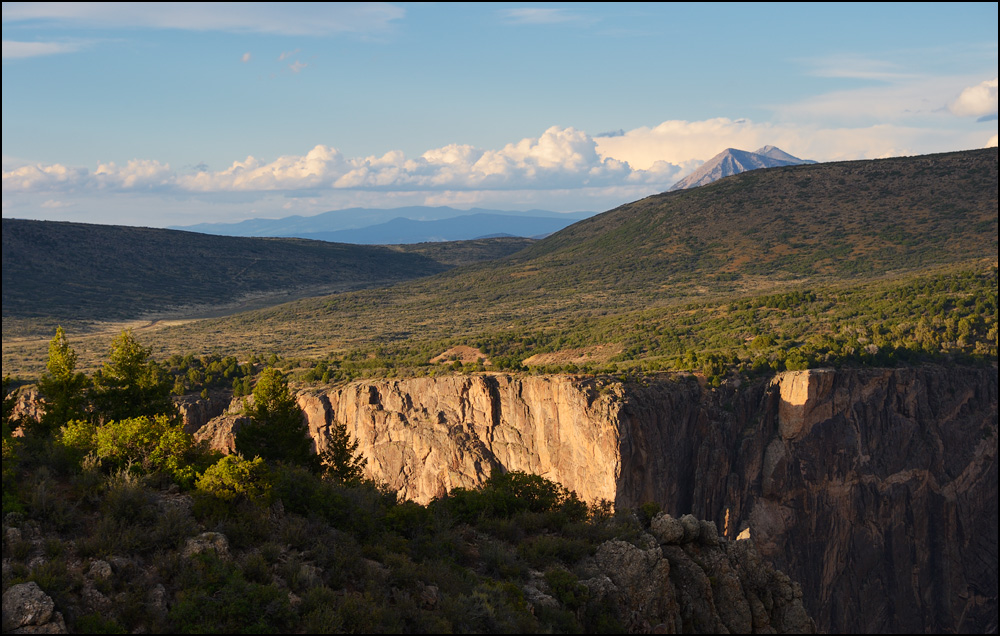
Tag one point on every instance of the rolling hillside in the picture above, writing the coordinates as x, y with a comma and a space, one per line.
81, 272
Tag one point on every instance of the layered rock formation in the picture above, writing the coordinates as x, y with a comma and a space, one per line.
875, 489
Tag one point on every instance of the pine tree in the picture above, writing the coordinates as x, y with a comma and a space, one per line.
341, 460
131, 384
62, 387
277, 430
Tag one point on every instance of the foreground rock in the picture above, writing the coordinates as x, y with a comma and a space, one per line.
875, 489
29, 610
696, 583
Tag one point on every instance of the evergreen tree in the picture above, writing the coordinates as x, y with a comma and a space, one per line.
341, 460
277, 430
62, 386
131, 384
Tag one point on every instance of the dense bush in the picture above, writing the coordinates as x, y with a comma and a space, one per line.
234, 478
146, 444
506, 494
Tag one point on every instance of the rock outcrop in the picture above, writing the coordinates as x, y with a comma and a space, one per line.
875, 489
688, 580
196, 412
29, 610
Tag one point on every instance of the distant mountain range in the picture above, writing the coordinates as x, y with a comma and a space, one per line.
414, 224
458, 228
732, 161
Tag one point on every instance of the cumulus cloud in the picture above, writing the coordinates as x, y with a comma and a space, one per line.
39, 178
137, 174
558, 158
977, 101
314, 169
561, 159
992, 143
314, 19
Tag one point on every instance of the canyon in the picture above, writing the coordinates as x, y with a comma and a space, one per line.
875, 489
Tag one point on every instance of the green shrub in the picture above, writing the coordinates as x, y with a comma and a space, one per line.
144, 444
79, 437
504, 495
566, 588
96, 624
233, 478
154, 444
218, 599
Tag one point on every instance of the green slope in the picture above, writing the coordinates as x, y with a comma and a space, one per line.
73, 271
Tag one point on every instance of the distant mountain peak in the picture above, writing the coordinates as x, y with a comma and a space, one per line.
734, 161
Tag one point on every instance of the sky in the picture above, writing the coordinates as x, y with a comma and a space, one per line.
169, 114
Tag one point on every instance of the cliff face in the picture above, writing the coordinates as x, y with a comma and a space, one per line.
425, 436
875, 489
888, 480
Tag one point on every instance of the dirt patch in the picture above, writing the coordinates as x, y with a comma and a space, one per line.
462, 353
597, 353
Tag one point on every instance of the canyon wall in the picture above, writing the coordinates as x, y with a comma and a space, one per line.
875, 489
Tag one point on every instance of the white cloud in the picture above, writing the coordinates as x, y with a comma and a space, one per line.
16, 50
52, 204
977, 101
39, 178
560, 160
314, 169
535, 15
992, 143
905, 99
687, 144
850, 66
137, 174
315, 19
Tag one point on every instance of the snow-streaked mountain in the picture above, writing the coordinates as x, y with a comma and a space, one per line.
732, 161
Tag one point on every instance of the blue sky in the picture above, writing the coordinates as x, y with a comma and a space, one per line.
170, 114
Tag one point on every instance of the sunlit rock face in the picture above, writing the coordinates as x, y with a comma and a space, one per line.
425, 436
875, 489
